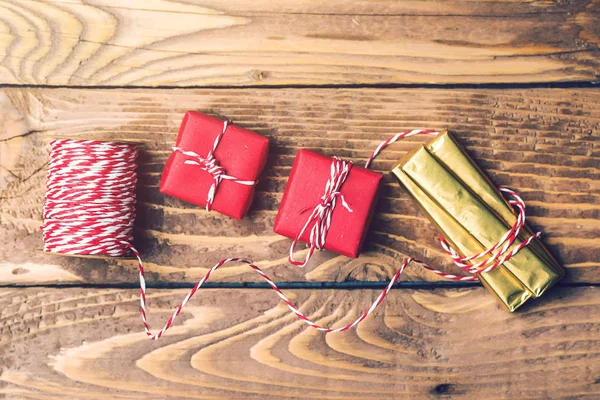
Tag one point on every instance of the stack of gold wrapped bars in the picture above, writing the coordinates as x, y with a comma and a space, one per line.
472, 215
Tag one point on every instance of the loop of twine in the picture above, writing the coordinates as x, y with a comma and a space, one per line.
89, 208
211, 165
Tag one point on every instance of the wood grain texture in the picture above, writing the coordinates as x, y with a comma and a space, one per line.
89, 344
543, 143
210, 42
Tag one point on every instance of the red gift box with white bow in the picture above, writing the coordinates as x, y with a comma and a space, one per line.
328, 203
215, 164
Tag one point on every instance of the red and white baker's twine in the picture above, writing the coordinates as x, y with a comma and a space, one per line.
493, 260
287, 301
89, 205
211, 165
89, 208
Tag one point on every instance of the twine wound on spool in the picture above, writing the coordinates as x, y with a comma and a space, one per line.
89, 209
89, 206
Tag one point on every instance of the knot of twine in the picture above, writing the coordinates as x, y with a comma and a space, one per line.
211, 165
321, 214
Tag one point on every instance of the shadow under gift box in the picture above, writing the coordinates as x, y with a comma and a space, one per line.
471, 213
306, 186
241, 153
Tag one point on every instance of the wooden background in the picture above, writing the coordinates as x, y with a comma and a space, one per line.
514, 81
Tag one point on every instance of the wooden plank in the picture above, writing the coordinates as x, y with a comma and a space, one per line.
543, 143
211, 42
89, 343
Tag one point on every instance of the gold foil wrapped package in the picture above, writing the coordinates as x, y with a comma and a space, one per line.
470, 212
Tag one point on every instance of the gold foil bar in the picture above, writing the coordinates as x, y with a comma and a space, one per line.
472, 215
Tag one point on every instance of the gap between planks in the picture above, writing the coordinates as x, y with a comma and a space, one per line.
325, 285
482, 86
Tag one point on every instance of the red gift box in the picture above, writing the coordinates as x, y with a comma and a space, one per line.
192, 168
304, 191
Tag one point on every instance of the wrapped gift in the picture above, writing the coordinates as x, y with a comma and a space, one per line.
328, 203
214, 164
472, 215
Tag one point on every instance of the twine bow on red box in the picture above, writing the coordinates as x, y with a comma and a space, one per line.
321, 214
211, 165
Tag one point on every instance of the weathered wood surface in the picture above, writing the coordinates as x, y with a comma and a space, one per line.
209, 42
89, 344
541, 142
